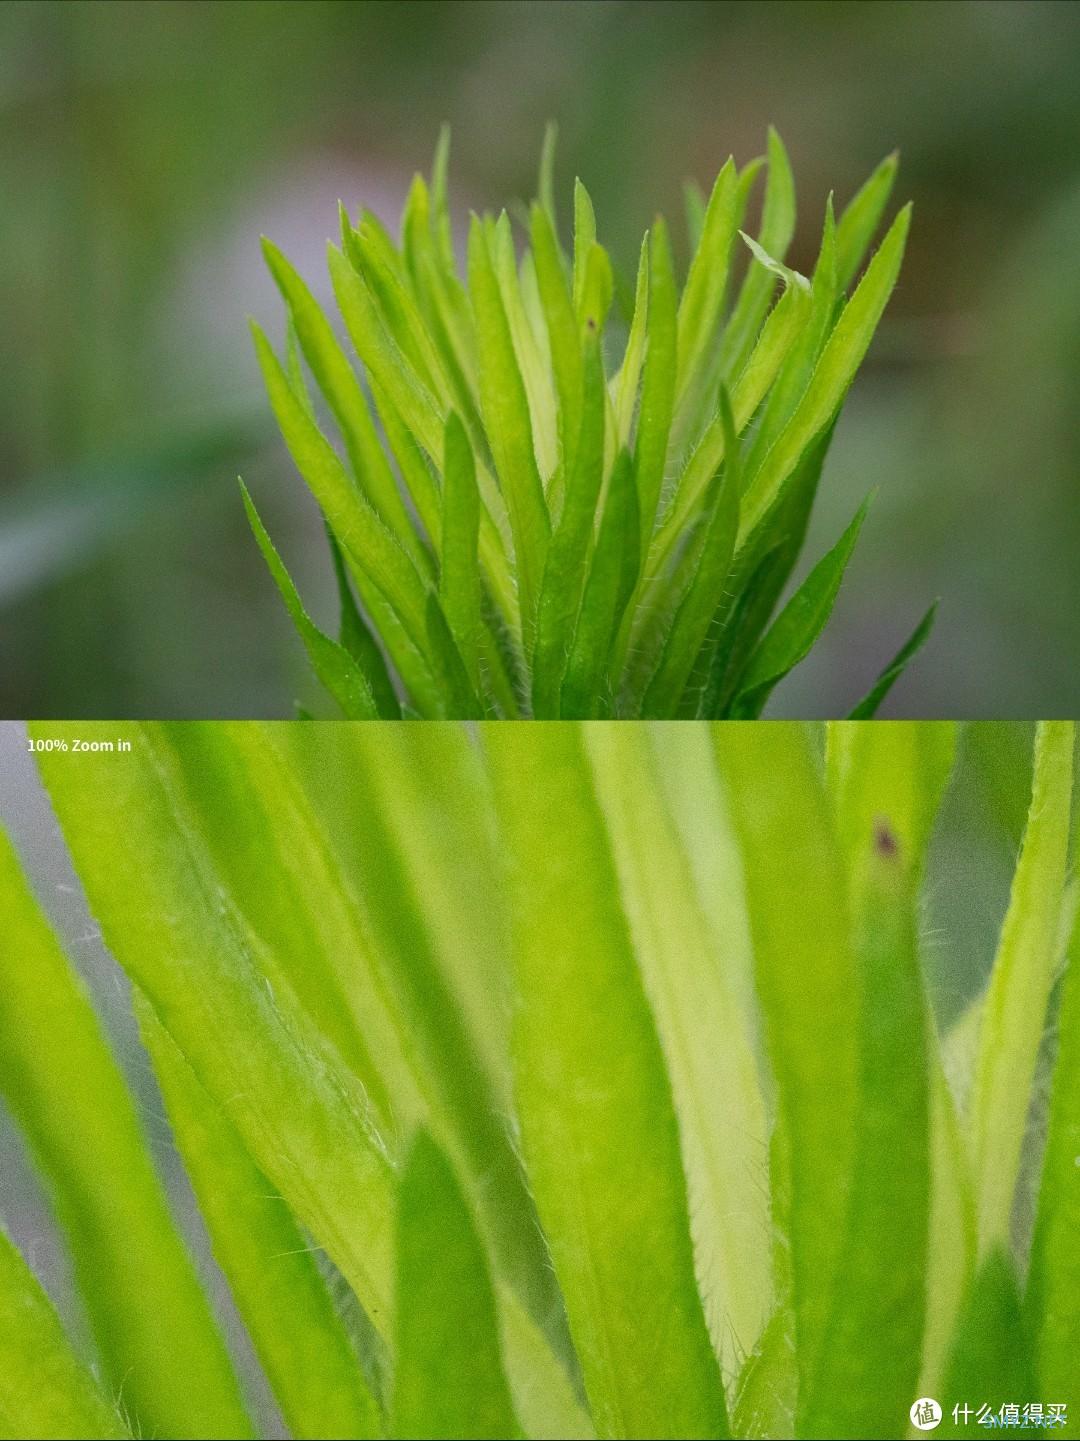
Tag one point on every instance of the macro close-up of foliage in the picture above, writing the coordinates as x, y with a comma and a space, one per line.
554, 1080
563, 493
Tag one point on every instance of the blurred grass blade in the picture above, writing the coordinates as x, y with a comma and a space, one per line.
791, 636
584, 240
69, 1096
588, 1063
709, 1048
448, 1374
333, 665
1053, 1300
45, 1390
612, 575
1014, 1011
807, 982
271, 1269
567, 558
843, 353
459, 580
868, 706
163, 916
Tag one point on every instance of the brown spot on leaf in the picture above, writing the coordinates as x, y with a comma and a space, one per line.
885, 840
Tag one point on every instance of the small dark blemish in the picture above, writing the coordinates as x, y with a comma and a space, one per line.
885, 841
590, 323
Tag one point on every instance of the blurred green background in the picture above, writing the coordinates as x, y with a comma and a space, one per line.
145, 146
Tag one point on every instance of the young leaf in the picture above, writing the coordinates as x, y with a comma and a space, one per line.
1053, 1300
706, 589
358, 528
279, 1291
870, 1357
1014, 1011
868, 706
506, 414
612, 575
990, 1358
709, 1046
843, 353
156, 1336
774, 237
626, 384
45, 1390
331, 662
706, 284
861, 219
562, 328
791, 636
567, 558
448, 1373
658, 382
304, 1120
459, 578
356, 638
338, 382
588, 1064
584, 240
807, 982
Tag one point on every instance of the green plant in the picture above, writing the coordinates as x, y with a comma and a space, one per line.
530, 535
580, 1082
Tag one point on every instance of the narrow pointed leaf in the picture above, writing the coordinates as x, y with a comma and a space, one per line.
156, 897
808, 988
567, 558
861, 218
356, 638
45, 1390
459, 578
706, 589
276, 1284
990, 1358
868, 706
843, 353
588, 1063
706, 1039
155, 1333
792, 635
331, 662
1053, 1301
448, 1373
612, 575
506, 414
1014, 1011
774, 237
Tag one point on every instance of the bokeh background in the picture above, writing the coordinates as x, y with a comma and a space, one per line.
145, 146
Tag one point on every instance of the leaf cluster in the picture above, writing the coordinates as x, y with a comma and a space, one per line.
582, 1082
542, 507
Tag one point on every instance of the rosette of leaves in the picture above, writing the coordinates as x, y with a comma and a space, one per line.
550, 498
